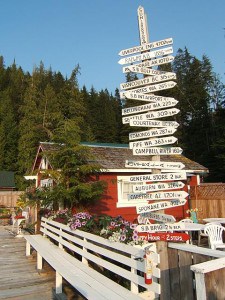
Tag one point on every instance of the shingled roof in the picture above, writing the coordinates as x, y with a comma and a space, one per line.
113, 156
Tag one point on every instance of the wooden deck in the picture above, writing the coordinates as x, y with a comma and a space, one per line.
18, 276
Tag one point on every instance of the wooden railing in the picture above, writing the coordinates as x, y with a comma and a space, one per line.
192, 272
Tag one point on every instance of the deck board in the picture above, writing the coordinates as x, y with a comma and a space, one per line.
19, 278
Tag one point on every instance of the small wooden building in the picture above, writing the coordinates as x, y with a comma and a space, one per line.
112, 159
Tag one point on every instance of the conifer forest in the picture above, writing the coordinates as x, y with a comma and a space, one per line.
44, 106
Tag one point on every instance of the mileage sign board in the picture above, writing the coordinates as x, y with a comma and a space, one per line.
163, 186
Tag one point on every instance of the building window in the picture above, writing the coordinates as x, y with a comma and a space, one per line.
124, 188
46, 182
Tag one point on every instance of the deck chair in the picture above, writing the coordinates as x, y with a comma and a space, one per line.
202, 234
187, 220
215, 234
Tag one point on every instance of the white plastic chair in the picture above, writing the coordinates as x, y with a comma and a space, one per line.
215, 234
189, 233
202, 234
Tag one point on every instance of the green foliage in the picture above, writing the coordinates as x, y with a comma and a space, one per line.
46, 106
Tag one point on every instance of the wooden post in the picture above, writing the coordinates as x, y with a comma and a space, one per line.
161, 246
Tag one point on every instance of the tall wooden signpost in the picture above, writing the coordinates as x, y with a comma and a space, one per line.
165, 177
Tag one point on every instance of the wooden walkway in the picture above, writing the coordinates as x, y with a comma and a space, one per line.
19, 279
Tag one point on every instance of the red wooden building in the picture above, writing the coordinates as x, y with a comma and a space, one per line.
112, 159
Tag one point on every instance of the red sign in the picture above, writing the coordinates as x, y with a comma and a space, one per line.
167, 237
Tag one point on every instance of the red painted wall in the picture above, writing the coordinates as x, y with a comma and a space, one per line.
108, 204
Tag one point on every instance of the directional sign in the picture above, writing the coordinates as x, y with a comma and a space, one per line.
143, 28
154, 87
154, 165
151, 133
157, 177
179, 226
157, 151
153, 142
146, 55
167, 237
146, 47
147, 80
143, 218
152, 115
159, 205
162, 186
144, 97
149, 106
153, 123
144, 70
156, 62
158, 195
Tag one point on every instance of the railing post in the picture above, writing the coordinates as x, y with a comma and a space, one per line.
134, 286
60, 238
84, 260
200, 286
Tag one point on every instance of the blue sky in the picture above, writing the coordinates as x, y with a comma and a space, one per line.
64, 33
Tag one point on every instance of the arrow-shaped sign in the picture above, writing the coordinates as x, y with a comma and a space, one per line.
156, 62
149, 106
146, 47
152, 115
151, 133
158, 195
153, 123
144, 97
154, 165
157, 177
153, 187
143, 218
154, 87
153, 142
145, 56
143, 70
157, 151
159, 205
147, 80
167, 237
160, 227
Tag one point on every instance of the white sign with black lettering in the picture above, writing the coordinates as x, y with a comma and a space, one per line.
159, 205
144, 97
161, 186
149, 107
152, 115
143, 28
157, 151
152, 133
144, 218
153, 142
147, 80
161, 227
153, 123
142, 164
153, 88
156, 62
157, 177
158, 195
146, 47
144, 70
145, 56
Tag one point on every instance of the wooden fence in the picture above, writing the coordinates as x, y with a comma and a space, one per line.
209, 198
189, 272
9, 198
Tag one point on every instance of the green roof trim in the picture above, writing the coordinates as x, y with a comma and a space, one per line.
7, 179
